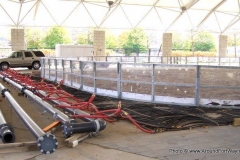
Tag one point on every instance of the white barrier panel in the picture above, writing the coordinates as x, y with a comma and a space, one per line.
192, 85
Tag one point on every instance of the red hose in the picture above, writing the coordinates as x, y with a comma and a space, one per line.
88, 116
56, 93
137, 125
98, 116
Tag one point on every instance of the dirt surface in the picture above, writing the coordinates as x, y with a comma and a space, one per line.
85, 150
162, 117
121, 140
168, 117
169, 81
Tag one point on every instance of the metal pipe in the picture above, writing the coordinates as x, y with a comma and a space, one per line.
66, 121
6, 131
101, 122
53, 111
47, 143
93, 126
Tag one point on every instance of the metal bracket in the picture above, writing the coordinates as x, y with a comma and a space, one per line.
23, 89
4, 79
3, 92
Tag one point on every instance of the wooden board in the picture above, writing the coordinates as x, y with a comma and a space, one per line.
19, 144
236, 121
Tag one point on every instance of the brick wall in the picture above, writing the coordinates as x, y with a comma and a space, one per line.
18, 39
167, 44
222, 45
99, 43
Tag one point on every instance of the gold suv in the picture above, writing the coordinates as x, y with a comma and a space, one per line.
23, 58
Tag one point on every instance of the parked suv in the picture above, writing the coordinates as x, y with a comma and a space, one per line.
23, 58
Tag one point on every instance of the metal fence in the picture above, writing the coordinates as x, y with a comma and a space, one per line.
5, 50
191, 85
215, 61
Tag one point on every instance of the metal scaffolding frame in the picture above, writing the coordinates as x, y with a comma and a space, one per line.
35, 8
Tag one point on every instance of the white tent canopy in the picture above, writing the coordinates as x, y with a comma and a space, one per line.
218, 16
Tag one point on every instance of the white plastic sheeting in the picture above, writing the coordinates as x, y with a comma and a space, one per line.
219, 16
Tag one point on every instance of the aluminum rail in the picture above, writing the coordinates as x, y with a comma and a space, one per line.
47, 143
49, 108
69, 126
6, 130
53, 111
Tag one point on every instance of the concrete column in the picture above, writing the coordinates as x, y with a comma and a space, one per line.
166, 46
99, 44
222, 45
18, 39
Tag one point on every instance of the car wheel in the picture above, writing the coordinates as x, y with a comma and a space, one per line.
36, 65
29, 67
4, 66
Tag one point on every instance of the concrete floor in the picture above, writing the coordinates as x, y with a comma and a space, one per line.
122, 140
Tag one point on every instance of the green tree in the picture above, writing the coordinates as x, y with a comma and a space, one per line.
34, 38
56, 35
198, 42
82, 39
111, 41
122, 39
233, 40
180, 43
85, 38
204, 42
134, 42
177, 42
